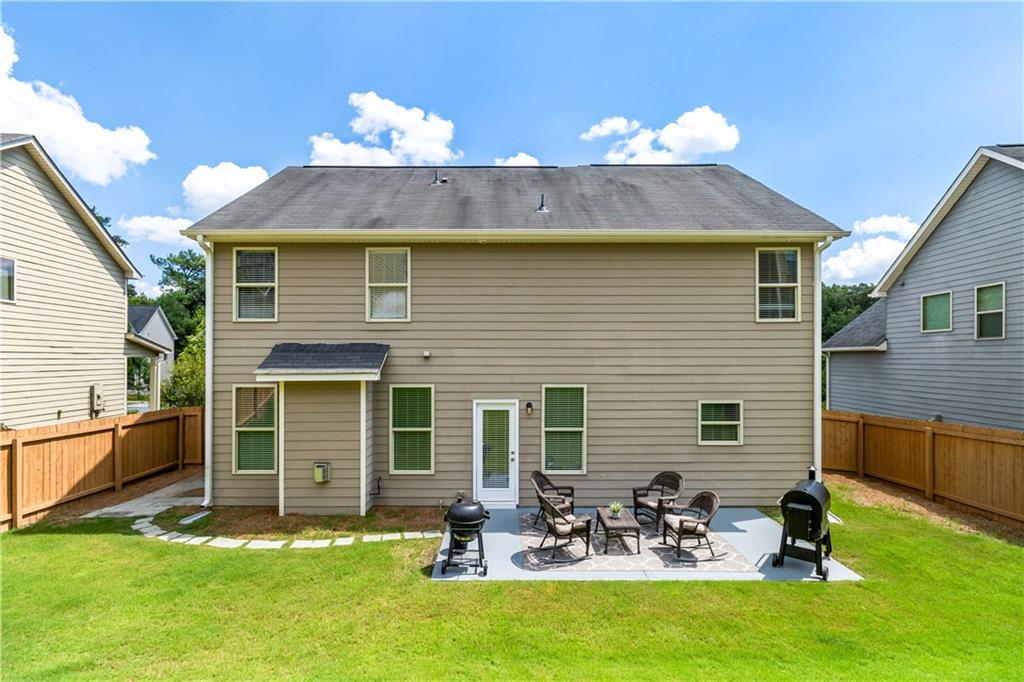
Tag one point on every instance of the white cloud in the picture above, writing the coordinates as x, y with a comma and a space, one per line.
900, 225
155, 228
613, 125
84, 148
520, 159
862, 261
416, 137
206, 189
147, 289
695, 133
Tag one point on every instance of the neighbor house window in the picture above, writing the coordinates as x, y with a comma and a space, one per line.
937, 312
565, 429
6, 279
387, 285
989, 309
255, 427
255, 285
720, 422
412, 429
778, 285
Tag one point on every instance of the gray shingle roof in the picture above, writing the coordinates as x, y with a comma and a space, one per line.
867, 330
11, 137
1014, 151
628, 198
323, 358
139, 316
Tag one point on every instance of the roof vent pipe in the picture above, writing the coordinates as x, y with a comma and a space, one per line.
437, 178
543, 207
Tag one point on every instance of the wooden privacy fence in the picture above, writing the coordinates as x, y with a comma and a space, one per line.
48, 465
980, 468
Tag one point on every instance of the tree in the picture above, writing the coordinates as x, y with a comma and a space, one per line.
188, 382
184, 273
840, 303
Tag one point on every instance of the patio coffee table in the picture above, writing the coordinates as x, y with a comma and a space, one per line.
625, 525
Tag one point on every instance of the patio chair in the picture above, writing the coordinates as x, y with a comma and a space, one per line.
563, 526
691, 521
561, 496
652, 499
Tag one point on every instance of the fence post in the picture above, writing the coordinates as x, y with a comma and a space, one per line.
181, 438
929, 462
860, 445
16, 476
118, 457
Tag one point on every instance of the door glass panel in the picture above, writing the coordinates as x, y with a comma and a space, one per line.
495, 449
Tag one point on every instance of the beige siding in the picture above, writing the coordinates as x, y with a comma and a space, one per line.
66, 330
650, 329
321, 424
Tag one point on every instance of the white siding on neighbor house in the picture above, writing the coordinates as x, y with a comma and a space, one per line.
65, 332
980, 241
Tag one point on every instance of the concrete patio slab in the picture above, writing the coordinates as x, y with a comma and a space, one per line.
153, 503
749, 532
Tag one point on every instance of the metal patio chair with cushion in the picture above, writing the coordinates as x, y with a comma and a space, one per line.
691, 521
561, 496
563, 526
652, 499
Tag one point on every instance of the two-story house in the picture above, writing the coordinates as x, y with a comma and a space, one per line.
945, 339
420, 332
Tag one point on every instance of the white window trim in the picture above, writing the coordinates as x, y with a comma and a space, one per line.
978, 314
544, 431
700, 423
392, 429
407, 284
921, 313
758, 286
235, 429
236, 286
14, 281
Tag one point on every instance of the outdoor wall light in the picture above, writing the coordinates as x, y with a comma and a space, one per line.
529, 408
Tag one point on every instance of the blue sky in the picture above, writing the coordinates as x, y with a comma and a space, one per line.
859, 112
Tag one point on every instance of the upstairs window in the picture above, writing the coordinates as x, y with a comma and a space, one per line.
255, 427
387, 285
565, 429
256, 285
412, 429
937, 312
720, 423
6, 279
778, 285
989, 311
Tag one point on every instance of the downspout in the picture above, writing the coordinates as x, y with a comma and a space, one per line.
207, 248
818, 249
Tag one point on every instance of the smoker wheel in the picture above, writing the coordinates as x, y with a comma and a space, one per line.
483, 566
824, 574
775, 561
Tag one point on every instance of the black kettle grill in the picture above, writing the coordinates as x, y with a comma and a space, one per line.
805, 517
465, 523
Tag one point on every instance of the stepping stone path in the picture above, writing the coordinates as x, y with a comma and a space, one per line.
147, 529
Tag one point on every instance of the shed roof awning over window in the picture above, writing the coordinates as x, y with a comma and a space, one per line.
323, 362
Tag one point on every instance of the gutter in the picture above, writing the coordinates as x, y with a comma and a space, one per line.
818, 249
207, 248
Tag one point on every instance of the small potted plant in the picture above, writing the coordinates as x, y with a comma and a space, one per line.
616, 509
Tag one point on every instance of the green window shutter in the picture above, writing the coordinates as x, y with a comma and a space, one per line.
935, 312
563, 407
255, 407
6, 279
255, 450
990, 326
411, 407
388, 267
721, 422
990, 298
412, 450
564, 423
720, 412
728, 433
495, 444
563, 450
412, 422
255, 428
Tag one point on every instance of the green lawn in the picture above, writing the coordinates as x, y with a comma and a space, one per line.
93, 600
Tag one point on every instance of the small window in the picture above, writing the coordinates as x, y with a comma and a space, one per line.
255, 427
255, 285
387, 285
937, 312
565, 429
412, 429
720, 423
989, 311
778, 285
6, 279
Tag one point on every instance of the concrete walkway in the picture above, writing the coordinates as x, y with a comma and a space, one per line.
155, 502
751, 533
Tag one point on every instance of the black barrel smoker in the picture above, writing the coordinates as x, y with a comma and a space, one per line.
805, 517
465, 523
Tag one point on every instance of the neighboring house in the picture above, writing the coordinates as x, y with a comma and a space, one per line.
438, 331
946, 337
149, 324
62, 299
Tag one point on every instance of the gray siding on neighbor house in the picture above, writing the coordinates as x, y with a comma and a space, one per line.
980, 241
65, 331
158, 332
649, 328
